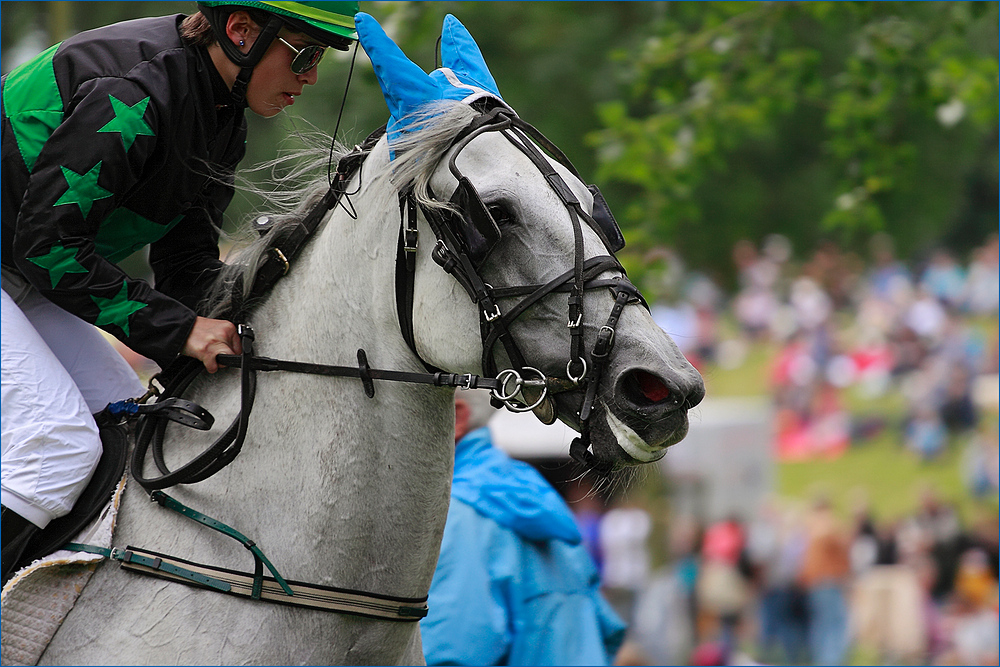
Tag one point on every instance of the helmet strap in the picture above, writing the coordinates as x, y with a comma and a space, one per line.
246, 61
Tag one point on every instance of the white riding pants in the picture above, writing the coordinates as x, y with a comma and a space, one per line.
57, 370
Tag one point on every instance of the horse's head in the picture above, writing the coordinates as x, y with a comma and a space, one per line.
552, 312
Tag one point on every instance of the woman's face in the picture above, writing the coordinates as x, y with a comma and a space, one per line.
273, 85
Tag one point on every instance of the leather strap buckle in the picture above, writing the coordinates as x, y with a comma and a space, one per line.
280, 256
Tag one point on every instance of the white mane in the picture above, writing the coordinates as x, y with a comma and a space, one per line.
302, 185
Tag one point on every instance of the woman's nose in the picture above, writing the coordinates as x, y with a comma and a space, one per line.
310, 77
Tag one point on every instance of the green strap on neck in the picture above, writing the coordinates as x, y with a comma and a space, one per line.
259, 558
129, 556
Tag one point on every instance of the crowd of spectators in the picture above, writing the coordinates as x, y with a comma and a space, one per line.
797, 584
928, 334
880, 328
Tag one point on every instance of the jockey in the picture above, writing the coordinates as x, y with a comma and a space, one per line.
115, 139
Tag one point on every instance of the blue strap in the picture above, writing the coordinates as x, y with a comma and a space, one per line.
123, 408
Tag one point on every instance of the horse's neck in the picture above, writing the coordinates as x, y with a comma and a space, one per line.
339, 295
337, 488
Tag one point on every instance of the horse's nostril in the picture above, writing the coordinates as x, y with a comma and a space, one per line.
642, 388
652, 387
695, 396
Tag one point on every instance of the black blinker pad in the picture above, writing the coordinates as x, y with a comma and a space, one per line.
606, 222
478, 229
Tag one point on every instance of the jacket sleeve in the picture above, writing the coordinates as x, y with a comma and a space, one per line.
560, 616
82, 173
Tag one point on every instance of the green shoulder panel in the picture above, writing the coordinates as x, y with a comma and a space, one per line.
32, 102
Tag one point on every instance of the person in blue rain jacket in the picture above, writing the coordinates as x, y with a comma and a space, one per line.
514, 584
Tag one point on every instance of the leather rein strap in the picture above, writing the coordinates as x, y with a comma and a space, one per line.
228, 445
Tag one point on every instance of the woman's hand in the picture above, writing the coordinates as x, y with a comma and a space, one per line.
209, 338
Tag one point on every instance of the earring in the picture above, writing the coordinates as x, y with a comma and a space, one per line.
241, 42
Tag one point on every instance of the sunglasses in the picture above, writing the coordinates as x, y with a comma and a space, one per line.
305, 58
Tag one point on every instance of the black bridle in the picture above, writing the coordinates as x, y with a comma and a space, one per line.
465, 234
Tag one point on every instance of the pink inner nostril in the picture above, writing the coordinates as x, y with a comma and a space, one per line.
651, 386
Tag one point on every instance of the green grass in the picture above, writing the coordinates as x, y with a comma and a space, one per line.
880, 470
890, 478
751, 378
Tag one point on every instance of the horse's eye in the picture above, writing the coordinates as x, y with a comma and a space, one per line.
501, 215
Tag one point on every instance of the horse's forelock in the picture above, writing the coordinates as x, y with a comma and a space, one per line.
418, 153
417, 156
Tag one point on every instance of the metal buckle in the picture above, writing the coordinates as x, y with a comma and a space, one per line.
410, 240
244, 330
490, 317
573, 325
465, 382
506, 396
151, 389
280, 256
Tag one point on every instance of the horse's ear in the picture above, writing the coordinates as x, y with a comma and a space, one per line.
404, 84
461, 54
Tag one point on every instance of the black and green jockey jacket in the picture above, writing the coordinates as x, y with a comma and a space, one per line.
115, 139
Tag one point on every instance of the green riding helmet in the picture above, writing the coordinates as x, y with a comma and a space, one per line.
332, 23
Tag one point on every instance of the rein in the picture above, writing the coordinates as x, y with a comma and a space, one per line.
505, 386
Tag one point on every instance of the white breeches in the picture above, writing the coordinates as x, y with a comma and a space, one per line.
57, 370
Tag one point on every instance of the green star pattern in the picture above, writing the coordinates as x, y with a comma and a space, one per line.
58, 261
117, 310
128, 121
83, 189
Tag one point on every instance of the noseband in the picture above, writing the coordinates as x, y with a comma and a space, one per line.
466, 233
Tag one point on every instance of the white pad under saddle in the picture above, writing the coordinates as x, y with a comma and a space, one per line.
37, 598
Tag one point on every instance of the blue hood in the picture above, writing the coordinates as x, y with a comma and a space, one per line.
464, 76
522, 501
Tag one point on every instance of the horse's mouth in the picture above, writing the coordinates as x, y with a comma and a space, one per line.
628, 440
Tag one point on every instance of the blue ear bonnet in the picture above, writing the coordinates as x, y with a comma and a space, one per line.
463, 77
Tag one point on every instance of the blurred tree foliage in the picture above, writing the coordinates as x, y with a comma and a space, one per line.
704, 122
815, 120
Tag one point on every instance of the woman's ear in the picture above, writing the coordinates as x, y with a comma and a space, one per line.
241, 30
